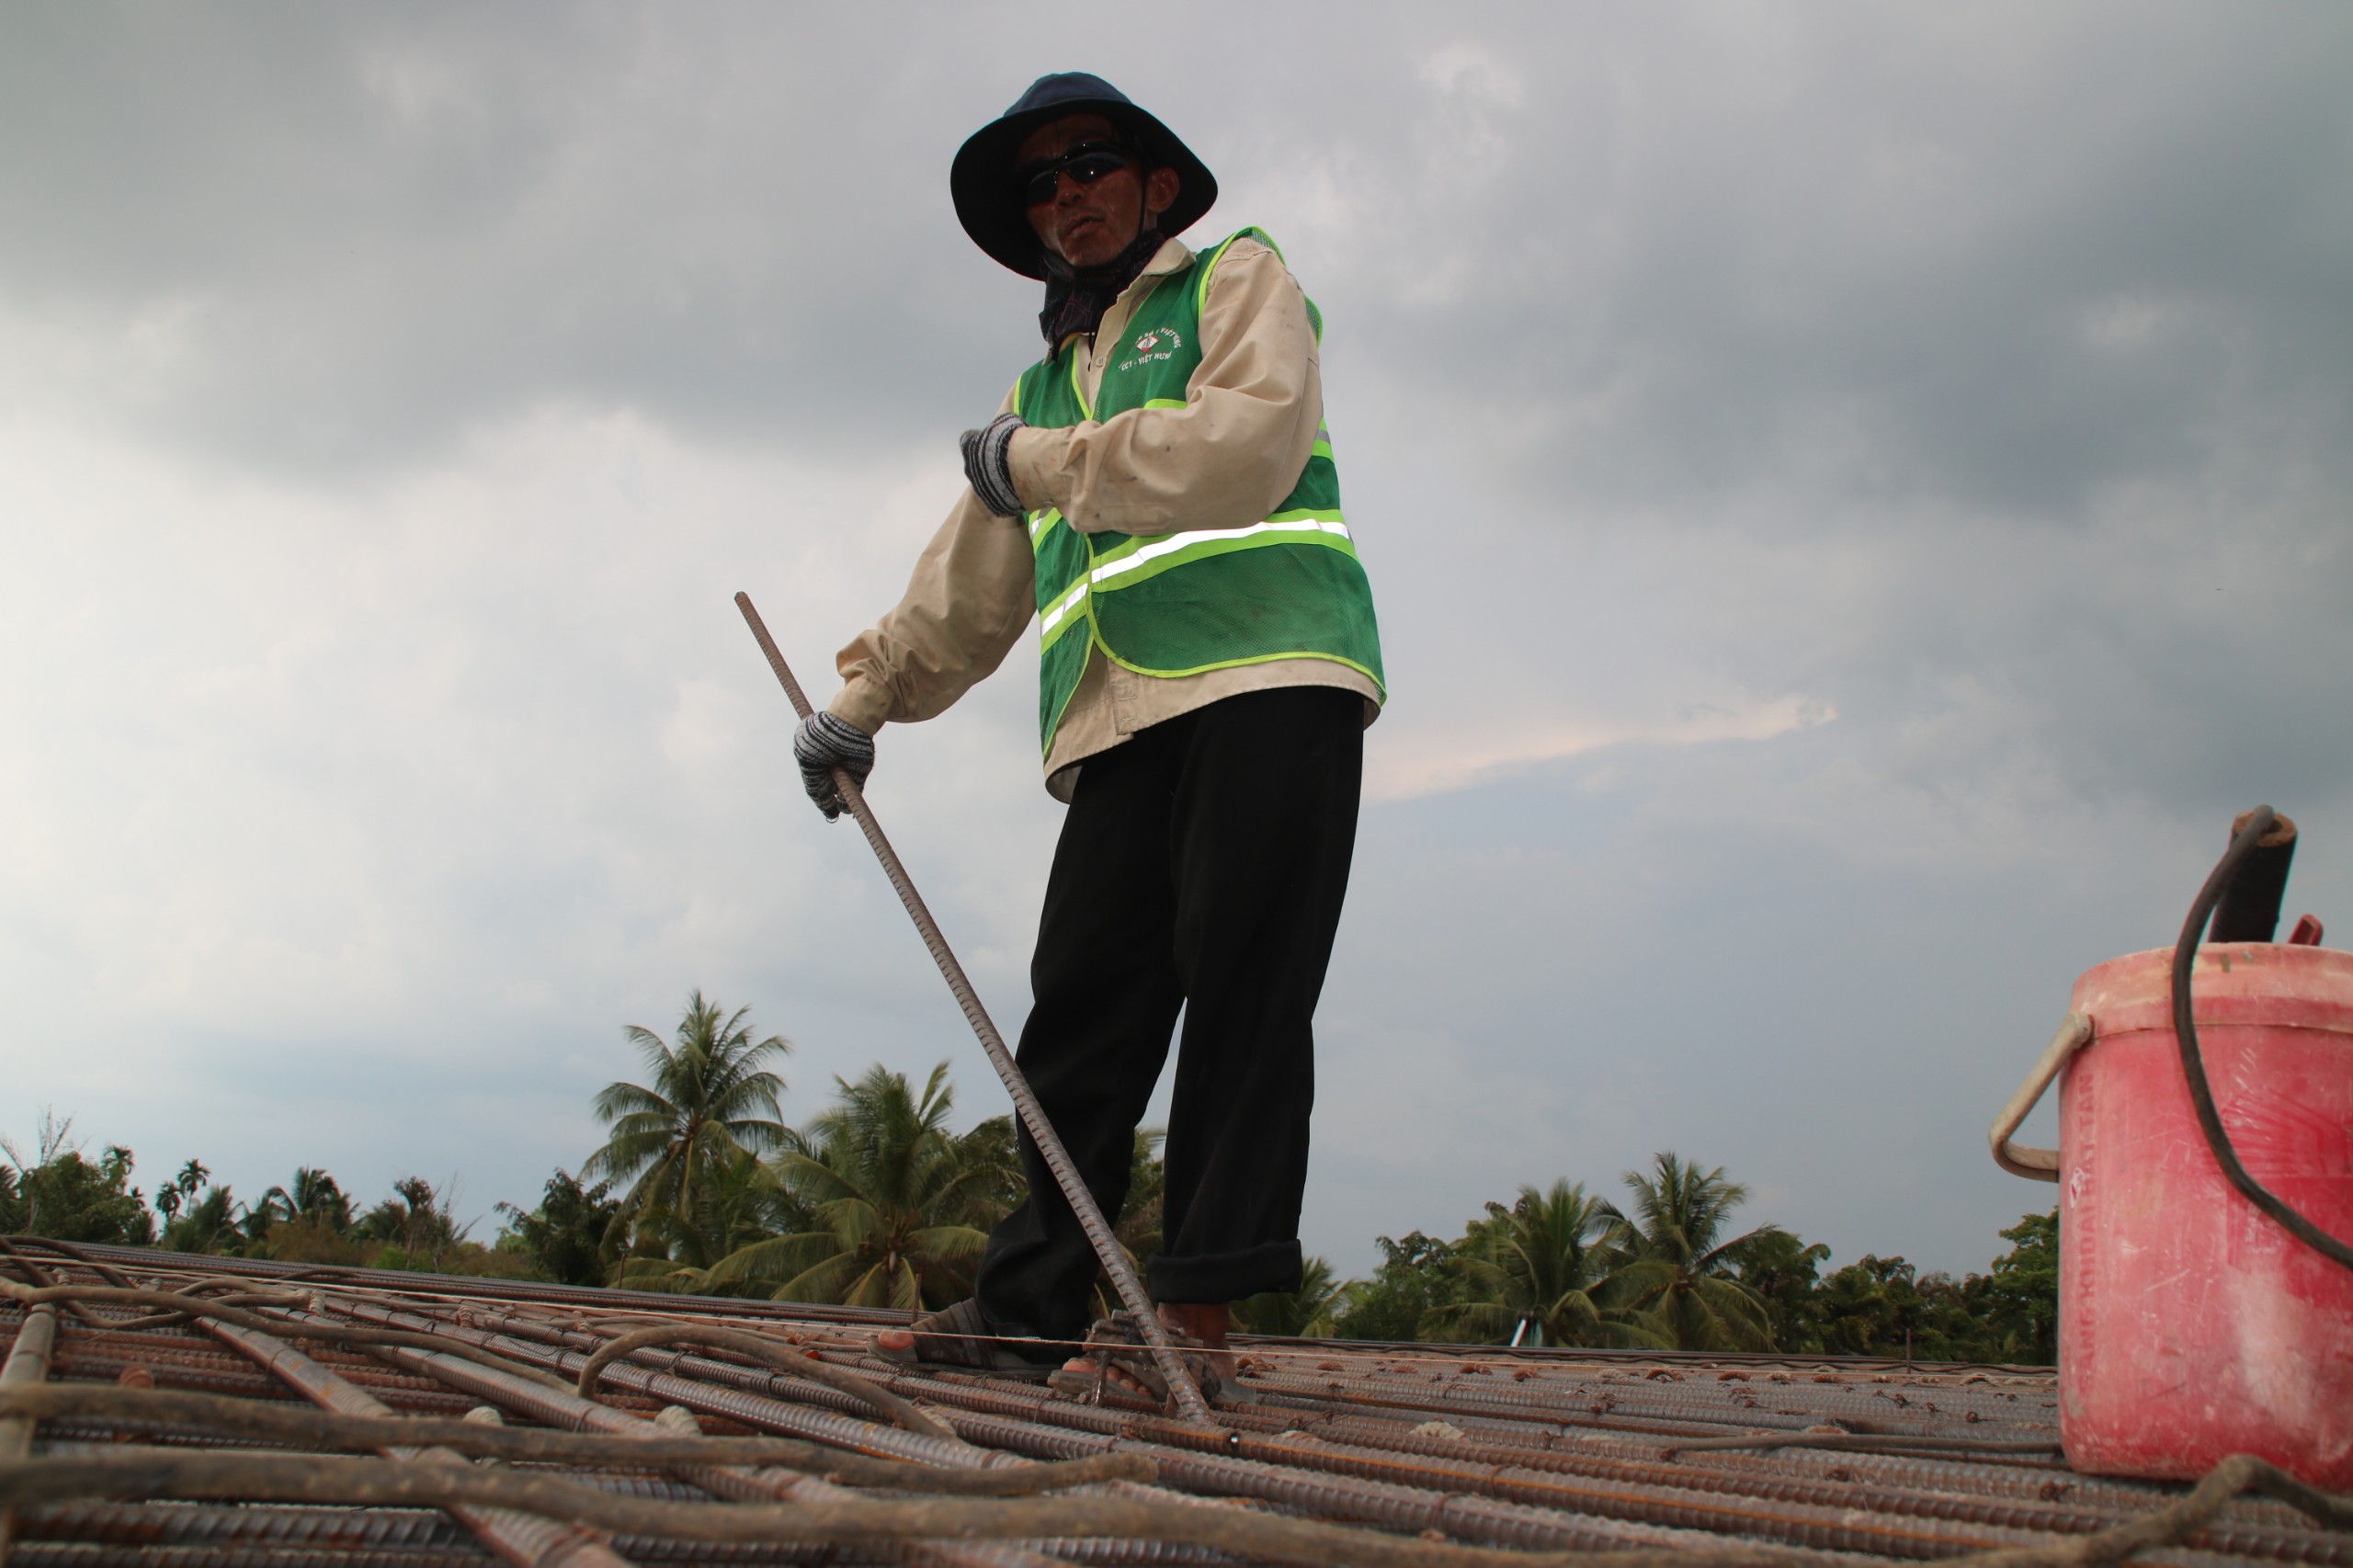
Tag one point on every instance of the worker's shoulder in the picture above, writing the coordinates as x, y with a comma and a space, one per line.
1251, 246
1248, 262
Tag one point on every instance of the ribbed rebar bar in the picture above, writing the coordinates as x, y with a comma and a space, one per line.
210, 1310
717, 1387
714, 1554
82, 1554
1089, 1213
27, 1363
1098, 1552
1483, 1447
147, 1525
767, 1352
461, 1289
770, 1485
1635, 1469
1630, 1403
766, 1484
816, 1419
175, 1370
2052, 1498
1945, 1491
523, 1540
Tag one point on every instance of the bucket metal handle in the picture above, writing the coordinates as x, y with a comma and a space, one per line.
2037, 1165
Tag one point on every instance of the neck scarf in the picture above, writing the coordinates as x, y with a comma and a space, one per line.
1077, 297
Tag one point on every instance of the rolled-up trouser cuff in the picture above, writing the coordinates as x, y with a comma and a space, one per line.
1225, 1276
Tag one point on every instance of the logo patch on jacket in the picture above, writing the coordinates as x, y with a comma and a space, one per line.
1159, 342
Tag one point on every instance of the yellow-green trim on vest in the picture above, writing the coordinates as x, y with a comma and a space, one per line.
1373, 676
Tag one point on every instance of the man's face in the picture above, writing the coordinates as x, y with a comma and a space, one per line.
1088, 226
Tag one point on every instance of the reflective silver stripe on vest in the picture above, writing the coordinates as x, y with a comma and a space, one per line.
1171, 543
1061, 608
1138, 553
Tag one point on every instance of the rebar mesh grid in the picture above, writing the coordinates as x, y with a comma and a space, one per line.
1532, 1451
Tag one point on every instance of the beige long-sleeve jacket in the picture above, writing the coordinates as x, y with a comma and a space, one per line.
1237, 447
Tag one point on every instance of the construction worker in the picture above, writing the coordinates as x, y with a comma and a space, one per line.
1158, 491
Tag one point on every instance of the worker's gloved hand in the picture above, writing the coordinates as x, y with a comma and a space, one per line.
985, 453
823, 743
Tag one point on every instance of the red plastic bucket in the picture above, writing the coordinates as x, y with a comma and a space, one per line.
2192, 1325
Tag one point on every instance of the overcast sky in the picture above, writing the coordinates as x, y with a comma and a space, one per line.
1858, 495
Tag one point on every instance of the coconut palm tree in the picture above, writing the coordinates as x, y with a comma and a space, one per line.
996, 1145
738, 1201
892, 1194
416, 1220
1304, 1313
1529, 1275
1137, 1226
211, 1224
1673, 1263
313, 1196
709, 1099
170, 1195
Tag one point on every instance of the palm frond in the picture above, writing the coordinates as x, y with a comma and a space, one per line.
953, 1246
776, 1258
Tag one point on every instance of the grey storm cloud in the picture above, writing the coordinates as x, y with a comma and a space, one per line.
1856, 495
358, 236
2001, 262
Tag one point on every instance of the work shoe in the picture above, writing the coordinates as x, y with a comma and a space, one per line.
961, 1339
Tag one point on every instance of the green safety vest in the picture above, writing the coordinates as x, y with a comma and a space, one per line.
1257, 589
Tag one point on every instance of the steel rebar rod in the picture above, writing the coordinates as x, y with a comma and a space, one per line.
150, 1525
160, 1413
1639, 1466
211, 1311
1961, 1493
526, 1541
235, 1555
131, 1473
770, 1485
770, 1353
174, 1364
1478, 1460
1041, 1131
1340, 1445
773, 1485
819, 1419
38, 1276
1053, 1428
28, 1364
761, 1398
1645, 1491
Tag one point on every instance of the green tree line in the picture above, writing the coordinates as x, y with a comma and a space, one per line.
701, 1188
60, 1193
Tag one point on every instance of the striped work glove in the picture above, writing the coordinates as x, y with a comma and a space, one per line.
823, 743
985, 464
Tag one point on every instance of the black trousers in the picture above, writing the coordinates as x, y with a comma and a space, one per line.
1201, 867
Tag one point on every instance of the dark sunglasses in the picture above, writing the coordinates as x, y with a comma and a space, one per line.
1084, 166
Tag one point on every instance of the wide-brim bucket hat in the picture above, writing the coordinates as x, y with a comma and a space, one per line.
988, 201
